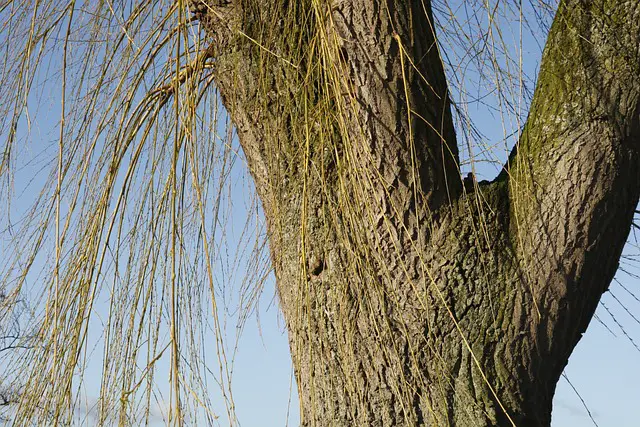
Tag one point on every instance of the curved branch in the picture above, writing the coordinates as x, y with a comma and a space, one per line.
574, 178
374, 63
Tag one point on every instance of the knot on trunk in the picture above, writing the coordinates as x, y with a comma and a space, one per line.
220, 18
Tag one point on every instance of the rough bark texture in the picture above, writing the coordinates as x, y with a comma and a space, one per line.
408, 300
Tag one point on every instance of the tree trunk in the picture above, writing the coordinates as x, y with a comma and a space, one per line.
408, 299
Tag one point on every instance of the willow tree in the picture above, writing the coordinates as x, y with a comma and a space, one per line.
411, 296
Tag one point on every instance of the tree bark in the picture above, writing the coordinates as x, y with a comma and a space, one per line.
408, 300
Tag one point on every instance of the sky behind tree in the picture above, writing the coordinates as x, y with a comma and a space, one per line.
603, 368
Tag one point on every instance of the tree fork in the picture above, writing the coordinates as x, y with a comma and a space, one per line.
409, 301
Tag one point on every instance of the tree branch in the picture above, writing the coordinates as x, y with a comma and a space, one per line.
374, 65
574, 178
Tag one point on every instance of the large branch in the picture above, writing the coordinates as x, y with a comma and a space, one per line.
364, 75
399, 86
574, 178
340, 108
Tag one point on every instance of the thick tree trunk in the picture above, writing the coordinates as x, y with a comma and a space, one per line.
408, 300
